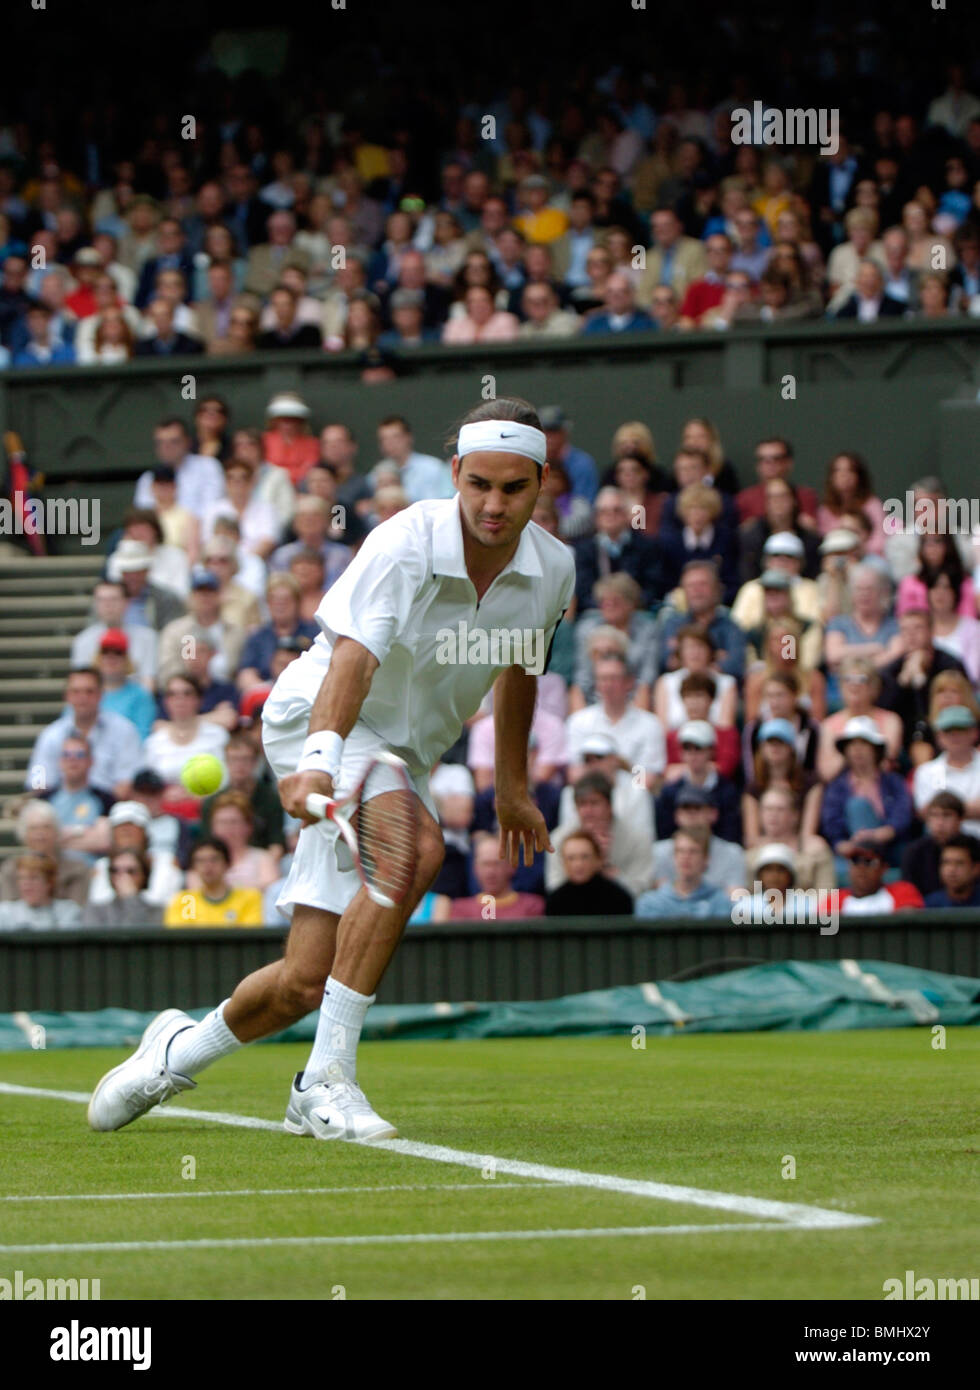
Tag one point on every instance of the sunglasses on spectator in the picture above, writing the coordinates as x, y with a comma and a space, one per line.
121, 869
865, 859
77, 757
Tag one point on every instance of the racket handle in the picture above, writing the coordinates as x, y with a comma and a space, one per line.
318, 805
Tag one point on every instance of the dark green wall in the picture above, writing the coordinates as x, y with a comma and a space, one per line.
157, 969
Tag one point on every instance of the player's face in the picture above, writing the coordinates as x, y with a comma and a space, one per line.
497, 493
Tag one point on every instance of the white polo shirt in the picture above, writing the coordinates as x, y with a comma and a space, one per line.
407, 597
638, 735
937, 776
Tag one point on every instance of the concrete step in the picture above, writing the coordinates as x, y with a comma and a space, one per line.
18, 735
50, 644
62, 626
74, 565
12, 586
47, 664
26, 691
35, 712
11, 780
53, 605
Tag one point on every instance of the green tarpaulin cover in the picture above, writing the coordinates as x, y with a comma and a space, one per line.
788, 995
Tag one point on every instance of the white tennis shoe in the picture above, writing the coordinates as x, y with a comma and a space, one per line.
334, 1108
143, 1080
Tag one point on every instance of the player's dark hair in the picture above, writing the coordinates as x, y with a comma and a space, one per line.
211, 842
514, 408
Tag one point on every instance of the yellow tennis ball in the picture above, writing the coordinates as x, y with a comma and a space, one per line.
202, 774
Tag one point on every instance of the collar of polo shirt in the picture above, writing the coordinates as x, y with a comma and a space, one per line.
447, 548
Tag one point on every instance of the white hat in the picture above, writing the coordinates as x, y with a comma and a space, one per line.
697, 731
452, 779
288, 405
839, 541
784, 543
130, 813
600, 744
776, 854
861, 726
128, 557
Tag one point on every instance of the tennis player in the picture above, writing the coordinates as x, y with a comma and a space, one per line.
377, 678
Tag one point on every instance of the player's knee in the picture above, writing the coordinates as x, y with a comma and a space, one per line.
299, 994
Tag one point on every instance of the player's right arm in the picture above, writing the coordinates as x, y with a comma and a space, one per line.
335, 711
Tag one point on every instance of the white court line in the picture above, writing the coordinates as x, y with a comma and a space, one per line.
270, 1192
424, 1238
789, 1215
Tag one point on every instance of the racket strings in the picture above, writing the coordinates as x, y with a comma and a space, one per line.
387, 835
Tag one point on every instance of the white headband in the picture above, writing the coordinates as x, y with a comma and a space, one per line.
502, 437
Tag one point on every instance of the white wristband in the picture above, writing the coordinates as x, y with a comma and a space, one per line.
322, 753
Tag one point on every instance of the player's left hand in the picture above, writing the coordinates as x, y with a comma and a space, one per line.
521, 823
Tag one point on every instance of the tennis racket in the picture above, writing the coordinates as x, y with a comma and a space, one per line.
379, 823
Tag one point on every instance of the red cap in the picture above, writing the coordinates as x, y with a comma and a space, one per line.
253, 701
114, 640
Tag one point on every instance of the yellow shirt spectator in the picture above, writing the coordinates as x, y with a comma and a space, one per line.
542, 227
240, 907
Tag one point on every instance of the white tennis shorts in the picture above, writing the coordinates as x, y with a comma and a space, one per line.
322, 873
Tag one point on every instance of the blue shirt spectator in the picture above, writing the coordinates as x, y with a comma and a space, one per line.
135, 703
115, 744
261, 646
687, 894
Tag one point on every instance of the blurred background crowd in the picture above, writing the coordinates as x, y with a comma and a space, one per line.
266, 199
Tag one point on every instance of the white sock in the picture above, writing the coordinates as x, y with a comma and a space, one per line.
338, 1031
193, 1049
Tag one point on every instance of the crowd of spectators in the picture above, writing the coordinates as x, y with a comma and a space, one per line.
758, 683
627, 208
